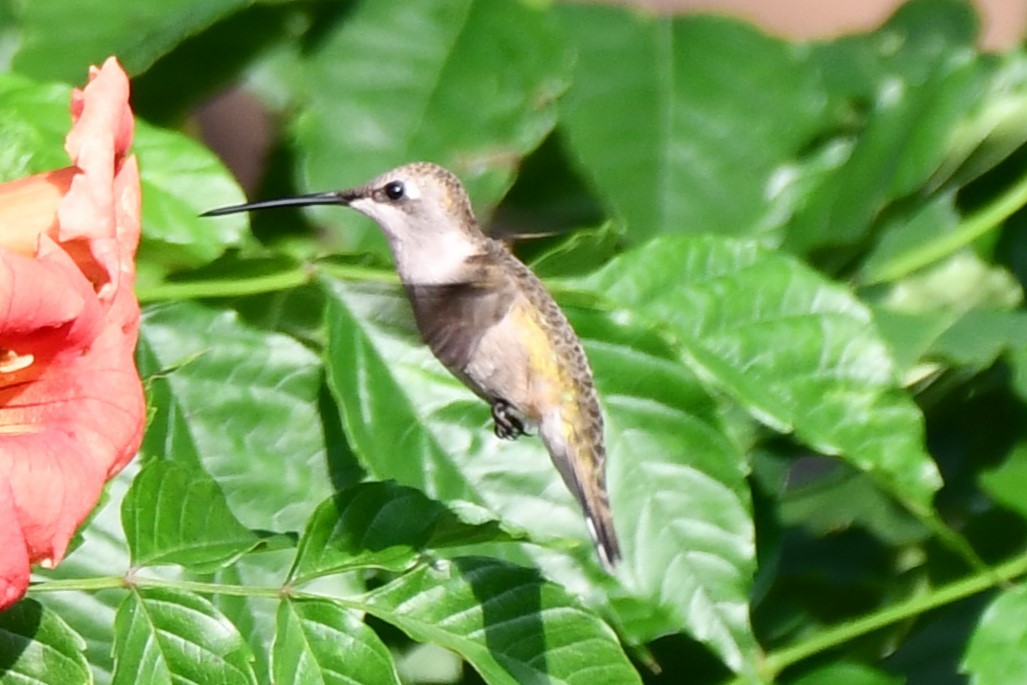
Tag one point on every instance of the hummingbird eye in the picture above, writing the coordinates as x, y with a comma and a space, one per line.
394, 190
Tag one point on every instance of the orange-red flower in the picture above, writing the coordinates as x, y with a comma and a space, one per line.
71, 403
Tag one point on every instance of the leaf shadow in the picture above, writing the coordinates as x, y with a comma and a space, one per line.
18, 626
511, 612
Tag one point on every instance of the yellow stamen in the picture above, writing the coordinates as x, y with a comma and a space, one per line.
12, 362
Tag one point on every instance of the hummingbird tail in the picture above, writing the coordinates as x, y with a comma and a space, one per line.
600, 526
582, 465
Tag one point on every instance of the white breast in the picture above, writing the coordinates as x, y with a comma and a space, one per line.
432, 259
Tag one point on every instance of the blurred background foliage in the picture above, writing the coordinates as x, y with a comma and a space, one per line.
797, 269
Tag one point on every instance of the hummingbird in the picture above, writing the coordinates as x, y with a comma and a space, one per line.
490, 321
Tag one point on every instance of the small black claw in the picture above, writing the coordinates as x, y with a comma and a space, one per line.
508, 425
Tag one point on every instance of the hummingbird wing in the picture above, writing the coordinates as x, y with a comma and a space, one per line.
453, 317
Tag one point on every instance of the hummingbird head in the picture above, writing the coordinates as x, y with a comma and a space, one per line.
421, 207
415, 201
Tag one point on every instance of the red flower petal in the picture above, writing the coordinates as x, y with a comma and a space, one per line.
97, 145
14, 562
71, 403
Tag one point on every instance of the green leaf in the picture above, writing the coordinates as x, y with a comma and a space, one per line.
320, 642
799, 352
174, 514
33, 123
36, 646
677, 486
847, 673
843, 499
243, 404
382, 525
953, 287
399, 406
898, 94
659, 115
905, 238
165, 636
1007, 482
979, 337
181, 179
509, 623
996, 127
91, 30
476, 97
995, 652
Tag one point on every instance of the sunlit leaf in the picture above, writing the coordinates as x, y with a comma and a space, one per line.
33, 123
677, 486
241, 403
176, 515
798, 351
320, 642
383, 525
91, 30
476, 97
181, 179
509, 623
165, 636
995, 652
660, 116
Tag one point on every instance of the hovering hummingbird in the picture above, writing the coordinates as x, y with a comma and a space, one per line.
490, 321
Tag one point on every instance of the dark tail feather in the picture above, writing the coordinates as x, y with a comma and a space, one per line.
583, 469
600, 526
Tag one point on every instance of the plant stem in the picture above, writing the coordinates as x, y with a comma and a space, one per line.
235, 287
832, 637
973, 227
254, 285
133, 581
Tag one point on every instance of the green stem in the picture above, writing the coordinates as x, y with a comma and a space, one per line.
235, 287
264, 283
197, 587
973, 227
72, 584
776, 662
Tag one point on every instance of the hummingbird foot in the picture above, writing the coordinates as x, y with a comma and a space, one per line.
509, 425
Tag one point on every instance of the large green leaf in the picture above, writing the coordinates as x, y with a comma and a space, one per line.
907, 86
320, 642
682, 124
995, 654
241, 403
36, 646
383, 525
466, 83
799, 352
514, 627
91, 30
33, 123
175, 514
166, 636
181, 179
677, 486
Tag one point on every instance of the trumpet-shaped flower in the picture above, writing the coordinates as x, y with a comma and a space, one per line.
71, 402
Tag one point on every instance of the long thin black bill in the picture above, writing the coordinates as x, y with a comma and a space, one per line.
331, 198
